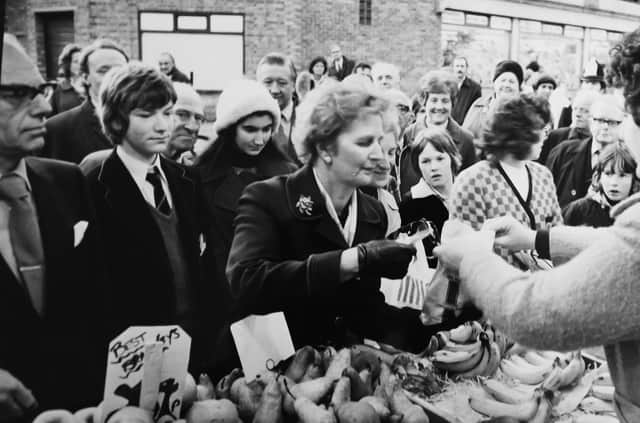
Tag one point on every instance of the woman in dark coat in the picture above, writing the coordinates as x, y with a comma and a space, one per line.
312, 245
247, 115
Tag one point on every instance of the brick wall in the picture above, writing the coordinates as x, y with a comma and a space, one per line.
405, 32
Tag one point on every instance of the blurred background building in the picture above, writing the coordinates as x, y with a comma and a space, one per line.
218, 40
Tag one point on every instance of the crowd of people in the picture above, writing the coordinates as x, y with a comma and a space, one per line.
110, 217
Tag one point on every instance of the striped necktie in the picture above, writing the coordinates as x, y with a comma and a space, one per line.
159, 196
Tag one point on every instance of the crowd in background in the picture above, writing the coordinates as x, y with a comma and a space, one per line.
115, 209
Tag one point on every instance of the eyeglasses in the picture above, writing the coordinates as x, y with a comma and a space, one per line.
608, 122
26, 91
402, 108
185, 116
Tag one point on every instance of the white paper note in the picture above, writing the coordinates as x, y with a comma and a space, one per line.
262, 342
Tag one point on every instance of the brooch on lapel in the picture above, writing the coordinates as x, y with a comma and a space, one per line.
305, 205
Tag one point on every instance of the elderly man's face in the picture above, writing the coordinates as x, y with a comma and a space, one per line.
188, 116
165, 64
22, 116
336, 53
385, 80
605, 120
99, 63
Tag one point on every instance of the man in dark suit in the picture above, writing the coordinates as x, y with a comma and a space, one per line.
572, 162
278, 73
340, 66
579, 129
468, 90
148, 208
51, 351
73, 134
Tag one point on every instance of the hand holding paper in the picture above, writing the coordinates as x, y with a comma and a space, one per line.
458, 241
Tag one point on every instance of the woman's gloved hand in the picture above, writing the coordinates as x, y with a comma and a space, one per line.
384, 258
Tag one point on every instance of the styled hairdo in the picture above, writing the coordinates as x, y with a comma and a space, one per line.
438, 82
513, 125
441, 141
615, 156
134, 86
280, 60
64, 60
100, 43
624, 67
316, 60
330, 109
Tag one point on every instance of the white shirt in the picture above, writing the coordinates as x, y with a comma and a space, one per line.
338, 64
138, 171
6, 249
519, 177
285, 118
350, 225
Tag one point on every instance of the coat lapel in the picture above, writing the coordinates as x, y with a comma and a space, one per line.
307, 203
123, 196
55, 228
582, 163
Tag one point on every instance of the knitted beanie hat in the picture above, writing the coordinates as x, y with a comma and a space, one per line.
242, 98
509, 66
545, 79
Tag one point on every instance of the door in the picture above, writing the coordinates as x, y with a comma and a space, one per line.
58, 32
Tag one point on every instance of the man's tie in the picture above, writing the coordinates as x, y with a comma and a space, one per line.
24, 233
162, 204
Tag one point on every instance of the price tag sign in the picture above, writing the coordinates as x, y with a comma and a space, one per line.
146, 368
261, 340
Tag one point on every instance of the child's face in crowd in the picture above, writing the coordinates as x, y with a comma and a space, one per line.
616, 185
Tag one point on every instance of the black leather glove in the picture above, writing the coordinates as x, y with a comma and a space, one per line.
384, 258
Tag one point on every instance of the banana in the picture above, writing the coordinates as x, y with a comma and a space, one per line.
553, 379
543, 414
492, 408
552, 355
595, 418
494, 360
603, 379
537, 360
530, 376
596, 405
454, 346
525, 364
481, 367
504, 393
603, 392
471, 361
449, 357
462, 333
573, 372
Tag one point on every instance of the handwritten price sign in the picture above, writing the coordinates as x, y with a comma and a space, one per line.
146, 368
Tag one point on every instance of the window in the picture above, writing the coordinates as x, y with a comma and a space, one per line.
365, 12
219, 37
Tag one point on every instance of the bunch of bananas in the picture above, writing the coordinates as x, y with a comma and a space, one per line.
547, 371
469, 350
506, 401
600, 400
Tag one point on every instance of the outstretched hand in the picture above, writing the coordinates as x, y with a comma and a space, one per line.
510, 233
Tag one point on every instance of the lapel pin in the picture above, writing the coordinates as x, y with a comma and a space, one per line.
305, 205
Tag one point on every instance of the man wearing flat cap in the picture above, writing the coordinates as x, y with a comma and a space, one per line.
49, 266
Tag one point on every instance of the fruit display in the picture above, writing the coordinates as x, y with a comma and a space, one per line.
469, 374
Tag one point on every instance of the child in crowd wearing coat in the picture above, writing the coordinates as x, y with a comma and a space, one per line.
613, 180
